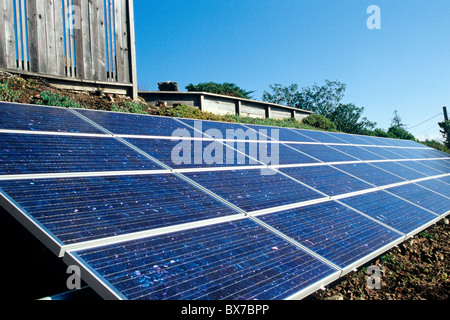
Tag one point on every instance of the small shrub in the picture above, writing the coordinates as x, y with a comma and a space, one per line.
7, 94
184, 111
48, 98
320, 122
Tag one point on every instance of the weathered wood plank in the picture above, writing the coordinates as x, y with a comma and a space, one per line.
60, 60
111, 40
107, 42
18, 37
2, 38
50, 36
118, 24
8, 33
125, 41
41, 36
32, 35
101, 62
24, 35
132, 46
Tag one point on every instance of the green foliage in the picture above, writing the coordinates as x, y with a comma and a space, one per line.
320, 122
399, 133
129, 107
397, 121
379, 133
184, 111
48, 98
322, 99
347, 118
7, 93
436, 145
445, 126
287, 123
228, 89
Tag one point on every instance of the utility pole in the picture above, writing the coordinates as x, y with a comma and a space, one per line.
445, 114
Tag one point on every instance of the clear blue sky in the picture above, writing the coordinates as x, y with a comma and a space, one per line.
405, 66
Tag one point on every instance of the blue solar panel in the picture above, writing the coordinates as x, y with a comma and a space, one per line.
394, 212
278, 133
251, 190
320, 136
439, 165
333, 231
135, 124
323, 153
82, 209
400, 170
327, 179
423, 197
38, 118
359, 153
349, 138
422, 167
29, 153
271, 153
384, 153
437, 185
222, 130
230, 261
370, 174
195, 153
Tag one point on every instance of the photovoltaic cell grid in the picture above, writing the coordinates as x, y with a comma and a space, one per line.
259, 213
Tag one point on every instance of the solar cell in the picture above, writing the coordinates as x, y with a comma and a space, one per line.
29, 154
394, 212
323, 153
384, 152
251, 190
400, 170
279, 134
82, 209
230, 261
136, 124
39, 118
221, 130
333, 231
437, 185
423, 197
359, 153
180, 154
320, 136
423, 168
327, 179
370, 174
271, 153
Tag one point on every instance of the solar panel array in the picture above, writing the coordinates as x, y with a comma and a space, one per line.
163, 208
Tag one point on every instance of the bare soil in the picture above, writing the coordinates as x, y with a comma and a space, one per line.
417, 269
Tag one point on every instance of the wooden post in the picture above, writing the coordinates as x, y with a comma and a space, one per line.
132, 41
445, 114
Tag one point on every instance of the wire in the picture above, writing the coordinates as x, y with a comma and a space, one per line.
424, 121
427, 130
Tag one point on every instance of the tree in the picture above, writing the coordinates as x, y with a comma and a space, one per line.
398, 129
397, 121
319, 99
445, 126
289, 96
347, 118
228, 89
399, 133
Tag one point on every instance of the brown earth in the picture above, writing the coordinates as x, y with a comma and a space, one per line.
417, 269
